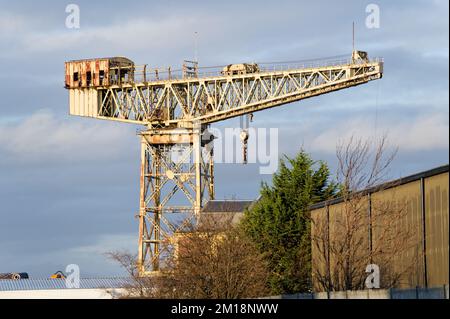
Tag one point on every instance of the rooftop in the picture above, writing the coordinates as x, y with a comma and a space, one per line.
48, 284
387, 185
226, 206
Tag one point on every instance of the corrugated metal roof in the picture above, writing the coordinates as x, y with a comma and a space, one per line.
114, 59
224, 206
46, 283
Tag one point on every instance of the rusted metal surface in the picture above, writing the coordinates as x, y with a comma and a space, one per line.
169, 138
14, 276
98, 72
240, 69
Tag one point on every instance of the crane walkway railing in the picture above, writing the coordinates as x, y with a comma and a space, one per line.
145, 74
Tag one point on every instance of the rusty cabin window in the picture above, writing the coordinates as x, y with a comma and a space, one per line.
114, 74
88, 78
75, 77
101, 76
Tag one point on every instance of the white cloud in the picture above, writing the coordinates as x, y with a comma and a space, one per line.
137, 34
107, 243
437, 54
91, 258
10, 23
44, 137
421, 133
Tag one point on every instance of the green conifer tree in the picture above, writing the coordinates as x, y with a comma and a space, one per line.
279, 222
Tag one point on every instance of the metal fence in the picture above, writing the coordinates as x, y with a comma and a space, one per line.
417, 293
145, 73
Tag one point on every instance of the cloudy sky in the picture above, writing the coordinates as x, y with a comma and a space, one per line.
69, 186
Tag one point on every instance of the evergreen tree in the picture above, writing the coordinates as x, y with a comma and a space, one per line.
279, 222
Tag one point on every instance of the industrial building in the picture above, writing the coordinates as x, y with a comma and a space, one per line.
46, 288
426, 198
223, 211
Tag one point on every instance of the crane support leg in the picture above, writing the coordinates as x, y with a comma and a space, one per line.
176, 180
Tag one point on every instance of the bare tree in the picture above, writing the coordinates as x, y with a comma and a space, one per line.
212, 260
361, 229
137, 286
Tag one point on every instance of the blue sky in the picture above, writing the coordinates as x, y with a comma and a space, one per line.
69, 186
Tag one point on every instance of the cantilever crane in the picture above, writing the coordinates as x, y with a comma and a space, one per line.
176, 147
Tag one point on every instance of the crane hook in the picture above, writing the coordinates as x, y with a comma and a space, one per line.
244, 139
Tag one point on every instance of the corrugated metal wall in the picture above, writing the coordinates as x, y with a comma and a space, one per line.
319, 251
406, 199
84, 102
436, 229
425, 262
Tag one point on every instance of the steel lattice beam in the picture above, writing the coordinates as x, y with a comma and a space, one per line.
207, 100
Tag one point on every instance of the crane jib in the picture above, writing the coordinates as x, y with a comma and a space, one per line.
120, 94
